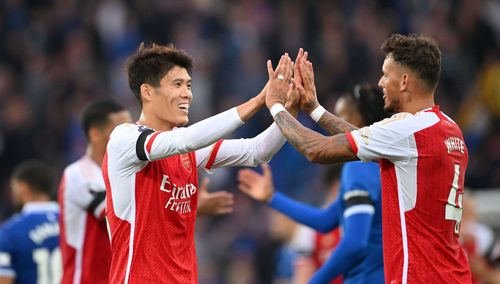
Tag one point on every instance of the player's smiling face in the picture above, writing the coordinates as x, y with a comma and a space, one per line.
390, 82
171, 100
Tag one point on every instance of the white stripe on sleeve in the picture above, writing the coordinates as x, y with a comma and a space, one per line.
359, 209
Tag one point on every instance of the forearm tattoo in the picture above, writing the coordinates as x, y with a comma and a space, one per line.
334, 125
314, 146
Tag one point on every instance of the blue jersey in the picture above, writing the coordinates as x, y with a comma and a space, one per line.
358, 256
360, 190
29, 244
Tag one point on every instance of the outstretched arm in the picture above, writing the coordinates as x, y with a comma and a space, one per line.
256, 150
314, 146
152, 145
334, 124
260, 188
321, 220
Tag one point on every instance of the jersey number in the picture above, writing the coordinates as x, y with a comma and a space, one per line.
48, 265
454, 205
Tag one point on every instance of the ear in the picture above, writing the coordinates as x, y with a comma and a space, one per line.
405, 80
20, 191
146, 92
94, 134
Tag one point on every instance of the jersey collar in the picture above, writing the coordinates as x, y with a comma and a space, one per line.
33, 207
435, 108
91, 161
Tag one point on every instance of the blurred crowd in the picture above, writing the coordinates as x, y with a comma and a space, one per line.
56, 55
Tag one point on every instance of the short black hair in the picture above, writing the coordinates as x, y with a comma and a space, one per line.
419, 53
150, 64
369, 101
38, 175
96, 113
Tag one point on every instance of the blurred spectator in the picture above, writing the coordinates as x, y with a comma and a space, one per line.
479, 242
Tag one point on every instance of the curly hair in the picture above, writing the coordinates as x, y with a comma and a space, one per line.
150, 64
419, 53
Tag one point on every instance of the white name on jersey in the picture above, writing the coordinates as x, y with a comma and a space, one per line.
177, 202
44, 231
454, 144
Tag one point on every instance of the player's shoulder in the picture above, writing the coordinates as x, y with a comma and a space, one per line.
405, 118
13, 224
406, 123
75, 166
77, 175
125, 128
125, 133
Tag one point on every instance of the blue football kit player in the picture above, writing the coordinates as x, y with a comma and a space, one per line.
29, 241
358, 257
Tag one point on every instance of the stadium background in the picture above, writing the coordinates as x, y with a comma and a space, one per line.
56, 55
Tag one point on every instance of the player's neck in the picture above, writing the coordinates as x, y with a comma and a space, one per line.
97, 155
154, 123
419, 103
33, 197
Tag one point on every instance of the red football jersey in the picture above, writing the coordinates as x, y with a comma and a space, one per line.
151, 215
84, 240
324, 245
423, 160
152, 192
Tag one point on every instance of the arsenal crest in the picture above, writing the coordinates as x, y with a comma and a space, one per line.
186, 162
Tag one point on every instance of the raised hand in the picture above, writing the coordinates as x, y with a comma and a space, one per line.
261, 97
259, 187
293, 103
296, 70
213, 203
279, 80
307, 90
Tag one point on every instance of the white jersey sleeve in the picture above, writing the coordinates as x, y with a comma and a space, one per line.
132, 145
391, 138
241, 152
88, 194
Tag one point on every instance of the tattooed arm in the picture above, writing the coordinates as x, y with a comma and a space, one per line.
334, 124
314, 146
304, 73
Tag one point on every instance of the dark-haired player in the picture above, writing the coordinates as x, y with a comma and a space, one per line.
84, 238
422, 157
85, 248
151, 167
29, 241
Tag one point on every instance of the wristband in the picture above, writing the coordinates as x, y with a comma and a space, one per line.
317, 113
276, 108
